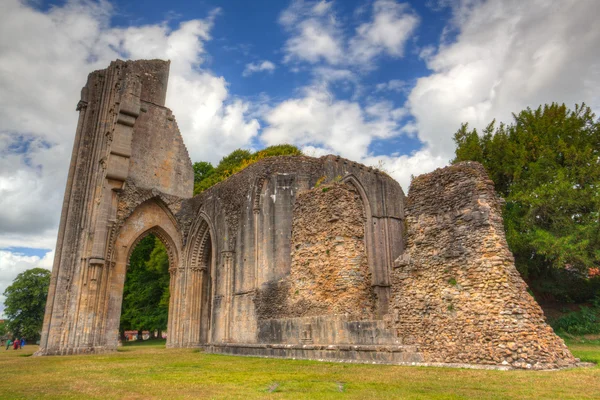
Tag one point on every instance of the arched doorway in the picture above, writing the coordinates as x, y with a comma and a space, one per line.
146, 292
151, 217
201, 269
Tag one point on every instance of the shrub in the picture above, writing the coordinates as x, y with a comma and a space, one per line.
582, 322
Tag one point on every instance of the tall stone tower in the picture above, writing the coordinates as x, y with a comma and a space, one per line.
125, 137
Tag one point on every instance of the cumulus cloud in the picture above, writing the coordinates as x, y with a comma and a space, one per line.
404, 167
507, 56
265, 65
342, 127
44, 60
386, 33
318, 36
13, 263
319, 122
316, 33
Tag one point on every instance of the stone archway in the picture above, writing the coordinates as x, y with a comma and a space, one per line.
380, 275
200, 261
150, 217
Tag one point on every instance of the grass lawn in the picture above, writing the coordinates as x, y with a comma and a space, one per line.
148, 370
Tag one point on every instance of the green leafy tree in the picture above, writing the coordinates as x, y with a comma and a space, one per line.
546, 164
235, 162
202, 170
233, 159
3, 329
146, 292
25, 303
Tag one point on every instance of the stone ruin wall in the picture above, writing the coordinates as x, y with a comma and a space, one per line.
269, 263
456, 291
127, 150
330, 273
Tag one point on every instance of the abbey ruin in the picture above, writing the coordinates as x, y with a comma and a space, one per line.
299, 257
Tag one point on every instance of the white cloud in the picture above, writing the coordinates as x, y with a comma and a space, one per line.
318, 36
392, 24
507, 55
393, 85
343, 127
44, 61
404, 167
313, 151
321, 124
12, 264
265, 65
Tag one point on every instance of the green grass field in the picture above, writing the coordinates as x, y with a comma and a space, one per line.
148, 371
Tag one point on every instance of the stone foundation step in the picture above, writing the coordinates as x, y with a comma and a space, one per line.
380, 354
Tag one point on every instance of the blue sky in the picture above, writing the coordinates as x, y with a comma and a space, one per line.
249, 32
382, 82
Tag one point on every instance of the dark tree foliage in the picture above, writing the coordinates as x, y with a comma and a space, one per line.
546, 164
202, 170
25, 303
207, 176
233, 159
3, 329
146, 292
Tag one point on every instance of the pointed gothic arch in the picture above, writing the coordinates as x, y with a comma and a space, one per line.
150, 217
201, 264
379, 273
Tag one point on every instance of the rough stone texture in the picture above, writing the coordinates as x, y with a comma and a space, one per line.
457, 294
329, 273
270, 263
128, 157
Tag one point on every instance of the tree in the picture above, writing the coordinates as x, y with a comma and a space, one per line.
546, 165
205, 176
146, 292
233, 159
202, 170
25, 303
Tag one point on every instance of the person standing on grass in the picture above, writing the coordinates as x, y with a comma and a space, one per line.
16, 343
8, 343
22, 342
